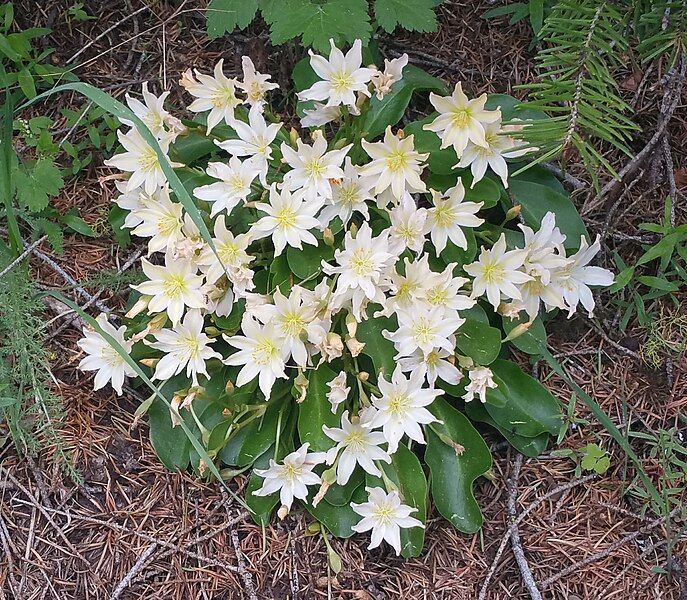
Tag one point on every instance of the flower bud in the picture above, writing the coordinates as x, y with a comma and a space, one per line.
513, 212
229, 387
351, 325
149, 362
340, 143
140, 305
293, 136
283, 511
157, 322
363, 376
518, 330
354, 346
301, 384
328, 237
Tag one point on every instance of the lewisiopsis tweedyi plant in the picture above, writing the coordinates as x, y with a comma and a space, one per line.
351, 315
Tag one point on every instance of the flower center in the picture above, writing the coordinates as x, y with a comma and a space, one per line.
174, 286
384, 514
224, 97
493, 273
292, 472
361, 263
292, 324
461, 117
264, 352
444, 215
314, 168
423, 331
397, 161
255, 92
437, 296
191, 346
399, 404
236, 183
111, 356
356, 438
168, 224
228, 252
341, 81
148, 160
348, 194
286, 217
432, 359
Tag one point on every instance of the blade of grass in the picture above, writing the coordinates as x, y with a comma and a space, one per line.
6, 190
119, 110
132, 363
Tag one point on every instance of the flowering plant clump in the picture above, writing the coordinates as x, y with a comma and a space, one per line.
348, 317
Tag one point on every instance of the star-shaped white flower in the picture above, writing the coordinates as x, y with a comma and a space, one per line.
231, 250
407, 226
261, 354
385, 515
319, 115
291, 477
289, 218
496, 272
341, 76
424, 327
460, 120
161, 220
432, 366
393, 72
184, 346
312, 166
152, 112
356, 444
255, 85
396, 163
173, 287
449, 215
103, 358
255, 139
234, 185
497, 147
349, 195
141, 160
401, 409
215, 94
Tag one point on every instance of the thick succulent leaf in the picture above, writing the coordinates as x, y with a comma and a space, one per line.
479, 341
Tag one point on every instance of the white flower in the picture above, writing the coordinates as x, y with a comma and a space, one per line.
401, 409
357, 444
254, 84
578, 276
443, 289
262, 353
385, 515
363, 265
151, 111
481, 379
449, 214
545, 251
432, 366
254, 140
410, 287
130, 201
291, 317
424, 327
234, 185
496, 272
312, 166
141, 161
184, 346
292, 477
460, 120
216, 94
102, 357
393, 72
397, 164
338, 391
173, 287
161, 220
342, 76
348, 196
288, 220
319, 115
407, 226
192, 245
496, 148
231, 250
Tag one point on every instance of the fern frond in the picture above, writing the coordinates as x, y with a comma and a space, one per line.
582, 45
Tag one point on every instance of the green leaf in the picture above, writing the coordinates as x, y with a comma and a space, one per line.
77, 224
338, 519
479, 341
406, 472
251, 440
26, 83
525, 406
536, 200
338, 495
452, 474
532, 343
307, 263
187, 149
37, 184
377, 347
116, 218
414, 15
440, 161
537, 15
529, 446
170, 443
658, 283
391, 108
224, 16
316, 410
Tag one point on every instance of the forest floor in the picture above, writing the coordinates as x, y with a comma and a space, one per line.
130, 529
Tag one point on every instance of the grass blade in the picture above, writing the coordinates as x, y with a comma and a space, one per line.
6, 152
